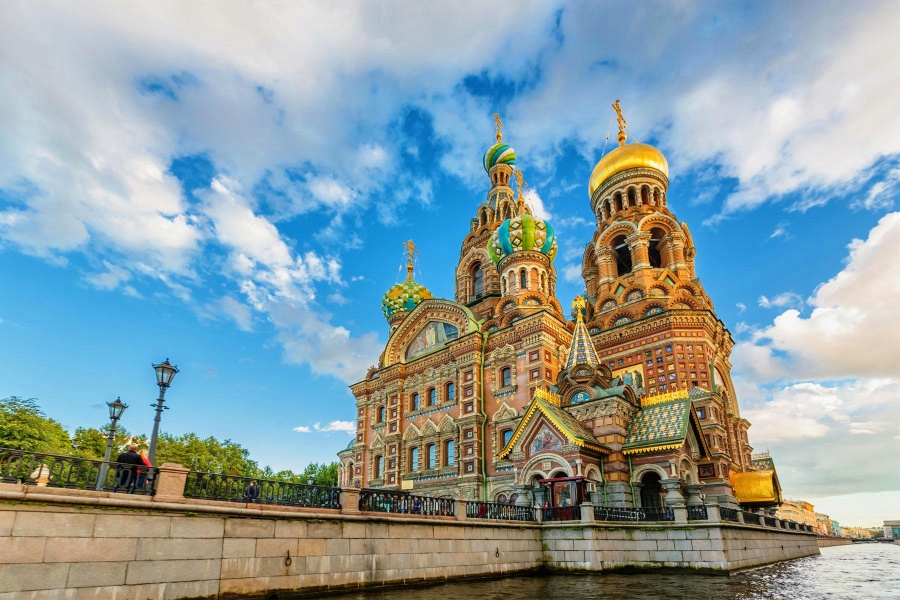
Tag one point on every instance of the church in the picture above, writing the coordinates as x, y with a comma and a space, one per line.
496, 395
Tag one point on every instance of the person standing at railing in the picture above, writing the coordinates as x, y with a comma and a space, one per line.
251, 494
127, 462
143, 470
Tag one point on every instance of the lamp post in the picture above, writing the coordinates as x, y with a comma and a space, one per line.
115, 413
164, 375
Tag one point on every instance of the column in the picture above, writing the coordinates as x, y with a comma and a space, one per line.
693, 495
673, 492
639, 244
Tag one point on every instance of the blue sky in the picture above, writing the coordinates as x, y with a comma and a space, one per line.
229, 186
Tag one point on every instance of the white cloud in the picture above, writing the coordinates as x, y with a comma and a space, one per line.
741, 307
781, 231
781, 300
533, 199
882, 193
302, 429
345, 426
854, 326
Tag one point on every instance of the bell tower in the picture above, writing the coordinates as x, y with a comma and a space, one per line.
647, 310
477, 282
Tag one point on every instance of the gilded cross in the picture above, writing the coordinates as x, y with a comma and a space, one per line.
621, 120
499, 125
410, 252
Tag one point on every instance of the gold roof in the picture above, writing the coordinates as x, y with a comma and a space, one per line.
627, 156
756, 487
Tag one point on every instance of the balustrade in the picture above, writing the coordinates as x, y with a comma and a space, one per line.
617, 513
496, 510
51, 470
405, 504
233, 488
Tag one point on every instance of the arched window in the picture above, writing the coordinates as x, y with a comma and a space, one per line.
381, 414
414, 459
431, 454
379, 467
505, 377
506, 436
432, 397
451, 392
523, 280
414, 402
449, 453
478, 281
623, 255
656, 246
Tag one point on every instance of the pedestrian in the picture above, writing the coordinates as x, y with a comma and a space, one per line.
547, 512
417, 506
126, 464
144, 469
251, 494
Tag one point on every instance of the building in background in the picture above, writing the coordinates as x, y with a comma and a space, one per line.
496, 395
892, 530
798, 511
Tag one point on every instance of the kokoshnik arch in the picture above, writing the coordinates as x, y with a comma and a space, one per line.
496, 395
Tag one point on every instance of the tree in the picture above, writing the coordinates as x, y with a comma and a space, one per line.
208, 455
23, 426
90, 442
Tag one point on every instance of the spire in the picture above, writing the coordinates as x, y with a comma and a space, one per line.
622, 136
582, 351
410, 252
499, 124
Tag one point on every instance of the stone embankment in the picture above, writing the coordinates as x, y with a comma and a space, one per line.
60, 544
827, 542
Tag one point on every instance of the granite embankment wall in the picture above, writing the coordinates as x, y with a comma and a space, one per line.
58, 544
827, 542
697, 546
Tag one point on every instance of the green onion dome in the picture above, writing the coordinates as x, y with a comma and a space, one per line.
403, 297
522, 232
497, 154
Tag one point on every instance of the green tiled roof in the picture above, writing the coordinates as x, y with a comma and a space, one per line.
659, 427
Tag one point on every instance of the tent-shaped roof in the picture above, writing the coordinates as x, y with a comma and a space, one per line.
662, 424
756, 487
547, 404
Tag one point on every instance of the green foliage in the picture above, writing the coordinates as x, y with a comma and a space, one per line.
23, 426
208, 455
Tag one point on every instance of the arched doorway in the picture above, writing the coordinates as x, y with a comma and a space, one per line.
651, 490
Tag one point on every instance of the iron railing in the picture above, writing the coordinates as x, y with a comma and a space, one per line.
752, 518
51, 470
770, 522
405, 504
496, 510
233, 488
729, 514
562, 513
697, 513
619, 513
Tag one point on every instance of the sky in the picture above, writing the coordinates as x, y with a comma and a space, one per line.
229, 184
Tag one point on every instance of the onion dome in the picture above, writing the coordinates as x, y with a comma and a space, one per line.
522, 232
499, 154
626, 156
406, 295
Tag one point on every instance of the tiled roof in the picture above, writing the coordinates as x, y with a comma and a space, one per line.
548, 404
697, 391
660, 426
582, 351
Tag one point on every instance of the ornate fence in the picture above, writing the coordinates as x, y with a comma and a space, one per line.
405, 504
232, 488
562, 513
35, 468
496, 510
697, 513
650, 513
729, 514
752, 518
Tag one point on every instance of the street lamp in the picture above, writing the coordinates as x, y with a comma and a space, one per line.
164, 375
115, 413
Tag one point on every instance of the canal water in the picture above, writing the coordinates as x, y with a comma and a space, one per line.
857, 572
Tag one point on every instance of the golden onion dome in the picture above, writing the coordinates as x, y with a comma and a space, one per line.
627, 156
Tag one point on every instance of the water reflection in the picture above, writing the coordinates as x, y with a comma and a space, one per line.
861, 571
